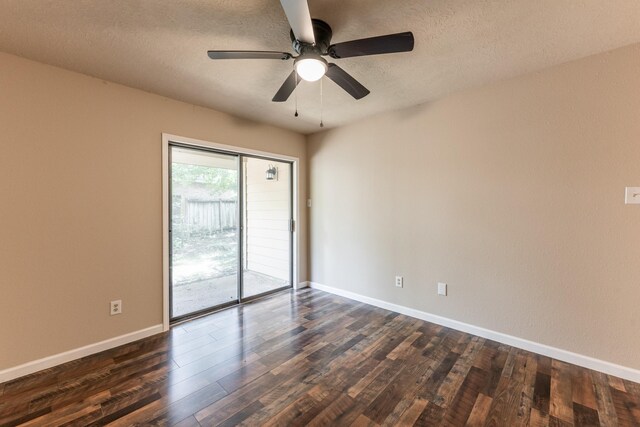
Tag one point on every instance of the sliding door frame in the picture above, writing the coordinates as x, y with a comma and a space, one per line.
238, 160
174, 140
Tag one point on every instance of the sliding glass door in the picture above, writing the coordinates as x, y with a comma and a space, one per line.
230, 228
267, 232
204, 230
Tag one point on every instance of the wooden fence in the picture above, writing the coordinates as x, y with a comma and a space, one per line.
210, 216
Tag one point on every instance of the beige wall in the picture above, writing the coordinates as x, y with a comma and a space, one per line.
80, 203
512, 193
268, 210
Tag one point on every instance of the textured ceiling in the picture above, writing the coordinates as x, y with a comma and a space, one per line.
160, 46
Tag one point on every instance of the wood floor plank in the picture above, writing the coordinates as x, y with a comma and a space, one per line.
632, 388
169, 410
561, 397
342, 411
557, 422
402, 392
238, 417
480, 411
402, 348
538, 418
281, 396
411, 415
297, 413
232, 403
89, 407
368, 379
21, 418
606, 408
617, 383
363, 421
460, 409
243, 376
312, 358
114, 410
190, 421
582, 389
530, 369
497, 361
430, 389
452, 382
584, 416
382, 406
504, 405
627, 407
542, 392
379, 383
431, 415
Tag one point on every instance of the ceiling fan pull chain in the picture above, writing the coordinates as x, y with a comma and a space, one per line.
321, 103
295, 95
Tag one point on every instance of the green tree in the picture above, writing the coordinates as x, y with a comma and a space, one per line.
218, 180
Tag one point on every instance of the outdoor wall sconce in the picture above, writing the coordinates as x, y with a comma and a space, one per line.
272, 173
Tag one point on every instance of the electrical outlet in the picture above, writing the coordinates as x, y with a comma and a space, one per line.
399, 281
442, 289
308, 203
116, 307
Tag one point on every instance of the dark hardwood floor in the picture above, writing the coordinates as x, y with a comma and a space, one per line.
311, 358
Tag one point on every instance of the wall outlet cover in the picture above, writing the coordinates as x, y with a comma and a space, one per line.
116, 307
399, 281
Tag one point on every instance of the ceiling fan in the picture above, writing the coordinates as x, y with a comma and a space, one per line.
311, 41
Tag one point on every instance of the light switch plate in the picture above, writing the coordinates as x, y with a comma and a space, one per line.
442, 289
632, 196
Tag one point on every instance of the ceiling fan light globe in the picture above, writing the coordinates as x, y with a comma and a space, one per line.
311, 69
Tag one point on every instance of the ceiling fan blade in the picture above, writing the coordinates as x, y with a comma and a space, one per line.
287, 88
247, 54
346, 82
297, 12
391, 43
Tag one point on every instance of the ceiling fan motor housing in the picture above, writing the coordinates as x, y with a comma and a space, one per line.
322, 32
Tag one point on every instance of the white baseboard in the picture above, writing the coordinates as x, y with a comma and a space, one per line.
302, 285
556, 353
67, 356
